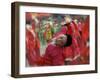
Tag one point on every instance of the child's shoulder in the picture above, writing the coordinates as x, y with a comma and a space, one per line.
51, 46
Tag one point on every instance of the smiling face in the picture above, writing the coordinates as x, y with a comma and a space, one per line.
61, 40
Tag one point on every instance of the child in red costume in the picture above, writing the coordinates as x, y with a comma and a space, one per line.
54, 55
72, 52
85, 39
32, 42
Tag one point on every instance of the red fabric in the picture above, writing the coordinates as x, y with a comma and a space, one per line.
85, 55
80, 25
68, 52
85, 37
32, 48
67, 30
74, 49
54, 55
85, 29
75, 28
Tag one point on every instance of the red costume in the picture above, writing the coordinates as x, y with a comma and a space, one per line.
54, 55
32, 42
32, 48
85, 30
74, 49
85, 39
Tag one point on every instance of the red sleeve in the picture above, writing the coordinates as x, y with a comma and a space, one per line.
47, 57
53, 56
62, 31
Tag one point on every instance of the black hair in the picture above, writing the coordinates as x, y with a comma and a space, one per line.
69, 40
67, 24
28, 21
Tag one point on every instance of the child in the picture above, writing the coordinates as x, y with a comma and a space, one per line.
54, 54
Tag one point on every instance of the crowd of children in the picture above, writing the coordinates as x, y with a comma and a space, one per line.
54, 39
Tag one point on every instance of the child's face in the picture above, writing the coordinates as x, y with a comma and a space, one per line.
47, 25
29, 27
67, 19
61, 40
